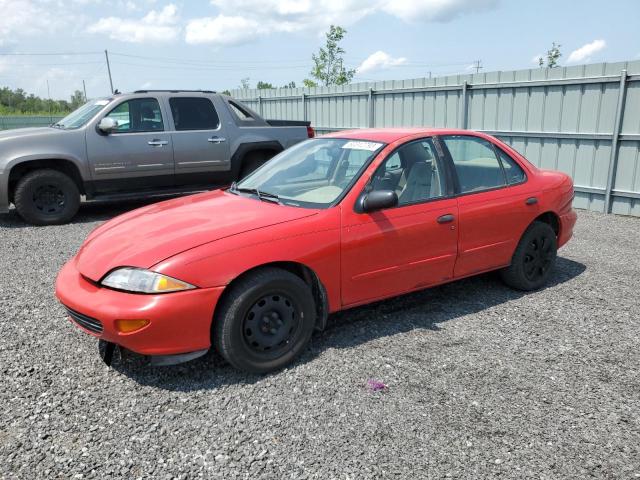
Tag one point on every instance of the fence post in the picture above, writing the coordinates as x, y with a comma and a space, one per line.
304, 106
371, 112
615, 136
463, 107
260, 105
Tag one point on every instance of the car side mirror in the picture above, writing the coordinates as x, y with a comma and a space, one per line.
378, 200
107, 125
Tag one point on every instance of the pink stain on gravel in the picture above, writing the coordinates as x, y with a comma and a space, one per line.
376, 385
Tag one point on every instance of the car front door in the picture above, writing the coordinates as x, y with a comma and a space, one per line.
495, 203
407, 247
201, 149
137, 153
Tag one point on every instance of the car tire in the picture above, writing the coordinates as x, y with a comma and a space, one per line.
46, 197
251, 162
264, 321
533, 258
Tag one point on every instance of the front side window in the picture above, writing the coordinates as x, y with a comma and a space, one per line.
137, 115
413, 172
475, 162
194, 113
314, 173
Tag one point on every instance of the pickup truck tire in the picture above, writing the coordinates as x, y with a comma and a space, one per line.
46, 197
252, 161
533, 259
264, 321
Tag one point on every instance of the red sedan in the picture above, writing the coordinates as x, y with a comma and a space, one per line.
331, 223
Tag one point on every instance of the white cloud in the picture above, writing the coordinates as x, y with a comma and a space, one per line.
155, 26
584, 52
254, 18
380, 61
222, 30
26, 17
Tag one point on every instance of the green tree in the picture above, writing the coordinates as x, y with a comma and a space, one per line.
329, 66
244, 83
552, 57
309, 83
290, 85
77, 99
264, 86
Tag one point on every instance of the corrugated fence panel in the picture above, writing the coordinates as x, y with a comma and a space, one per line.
22, 121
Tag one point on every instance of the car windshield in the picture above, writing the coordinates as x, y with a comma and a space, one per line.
82, 115
313, 174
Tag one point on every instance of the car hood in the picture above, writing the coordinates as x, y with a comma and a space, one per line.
146, 236
29, 132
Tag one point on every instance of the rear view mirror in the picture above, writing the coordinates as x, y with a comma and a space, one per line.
378, 200
107, 125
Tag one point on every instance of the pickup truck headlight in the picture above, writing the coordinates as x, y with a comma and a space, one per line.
143, 281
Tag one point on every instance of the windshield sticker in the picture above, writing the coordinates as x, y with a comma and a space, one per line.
102, 102
370, 146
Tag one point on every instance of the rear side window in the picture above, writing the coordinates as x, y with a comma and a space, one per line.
190, 113
241, 113
476, 163
512, 170
137, 115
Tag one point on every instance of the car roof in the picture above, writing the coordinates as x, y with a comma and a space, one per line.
390, 135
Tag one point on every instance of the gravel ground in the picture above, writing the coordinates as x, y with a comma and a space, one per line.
483, 382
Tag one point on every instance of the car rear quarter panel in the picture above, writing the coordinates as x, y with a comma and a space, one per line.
311, 241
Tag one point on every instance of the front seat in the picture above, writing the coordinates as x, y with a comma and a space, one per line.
418, 186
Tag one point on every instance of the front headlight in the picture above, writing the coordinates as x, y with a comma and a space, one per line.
143, 281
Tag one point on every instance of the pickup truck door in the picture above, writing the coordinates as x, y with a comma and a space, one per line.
139, 149
201, 149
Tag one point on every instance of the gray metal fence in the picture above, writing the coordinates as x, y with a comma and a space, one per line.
20, 121
583, 120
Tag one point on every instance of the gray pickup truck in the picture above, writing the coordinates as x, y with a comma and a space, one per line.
138, 144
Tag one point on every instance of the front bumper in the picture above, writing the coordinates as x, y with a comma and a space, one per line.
179, 322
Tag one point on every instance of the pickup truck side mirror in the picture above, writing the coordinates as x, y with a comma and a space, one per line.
107, 125
378, 200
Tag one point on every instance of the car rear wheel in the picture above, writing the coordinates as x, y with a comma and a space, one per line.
533, 259
264, 321
46, 197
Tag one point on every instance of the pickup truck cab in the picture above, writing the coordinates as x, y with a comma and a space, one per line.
140, 144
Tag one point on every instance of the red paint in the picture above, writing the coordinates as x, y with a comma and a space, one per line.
210, 239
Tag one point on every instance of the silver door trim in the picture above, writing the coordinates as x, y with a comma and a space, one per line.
200, 162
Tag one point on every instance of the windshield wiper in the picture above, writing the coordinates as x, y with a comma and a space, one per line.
264, 196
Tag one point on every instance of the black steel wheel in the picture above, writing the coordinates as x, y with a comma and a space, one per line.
264, 321
533, 258
46, 197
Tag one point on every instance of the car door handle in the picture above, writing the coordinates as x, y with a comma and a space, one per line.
157, 143
448, 218
531, 201
216, 140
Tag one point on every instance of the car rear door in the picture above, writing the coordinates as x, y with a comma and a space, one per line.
200, 146
138, 153
494, 203
410, 246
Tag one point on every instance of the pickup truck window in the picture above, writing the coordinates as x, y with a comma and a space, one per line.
241, 113
191, 113
138, 115
82, 115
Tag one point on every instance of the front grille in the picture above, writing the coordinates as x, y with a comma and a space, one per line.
91, 324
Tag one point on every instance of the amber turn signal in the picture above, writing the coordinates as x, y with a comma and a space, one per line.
128, 326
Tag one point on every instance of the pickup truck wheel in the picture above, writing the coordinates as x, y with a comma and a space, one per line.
533, 259
264, 321
46, 197
252, 162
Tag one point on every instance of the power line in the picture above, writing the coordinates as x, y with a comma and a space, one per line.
48, 54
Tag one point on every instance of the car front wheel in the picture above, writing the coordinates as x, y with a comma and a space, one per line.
264, 321
46, 197
533, 259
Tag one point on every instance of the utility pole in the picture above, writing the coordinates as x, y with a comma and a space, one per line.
106, 55
49, 97
478, 65
84, 88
